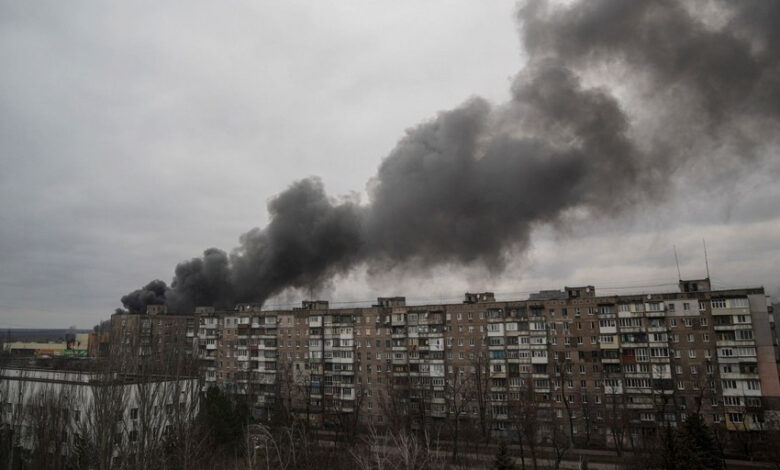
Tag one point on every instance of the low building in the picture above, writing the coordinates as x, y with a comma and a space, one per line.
74, 346
31, 348
54, 412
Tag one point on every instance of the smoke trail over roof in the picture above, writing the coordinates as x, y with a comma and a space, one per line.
471, 184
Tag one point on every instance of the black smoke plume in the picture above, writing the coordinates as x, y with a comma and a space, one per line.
617, 98
153, 293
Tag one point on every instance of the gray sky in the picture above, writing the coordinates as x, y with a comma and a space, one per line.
133, 136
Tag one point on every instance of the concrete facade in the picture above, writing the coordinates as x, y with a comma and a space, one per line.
582, 359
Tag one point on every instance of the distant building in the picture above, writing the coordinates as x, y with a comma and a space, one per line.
27, 349
77, 346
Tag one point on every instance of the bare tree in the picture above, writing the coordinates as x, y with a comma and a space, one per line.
148, 425
480, 378
347, 412
102, 426
284, 391
523, 414
394, 401
280, 449
305, 389
619, 417
459, 394
49, 425
559, 439
14, 390
589, 411
563, 374
397, 451
184, 437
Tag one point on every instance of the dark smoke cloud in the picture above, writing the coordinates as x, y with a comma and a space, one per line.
202, 281
733, 71
153, 293
470, 185
310, 238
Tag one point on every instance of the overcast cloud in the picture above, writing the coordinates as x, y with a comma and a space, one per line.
134, 136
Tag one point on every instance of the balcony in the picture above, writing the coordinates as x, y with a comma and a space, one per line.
640, 406
655, 314
730, 311
539, 360
735, 343
632, 329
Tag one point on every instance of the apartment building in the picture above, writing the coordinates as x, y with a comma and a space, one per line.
587, 362
153, 335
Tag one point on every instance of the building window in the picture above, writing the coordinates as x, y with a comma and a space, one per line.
729, 384
736, 417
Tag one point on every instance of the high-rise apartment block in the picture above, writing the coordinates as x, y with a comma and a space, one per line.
587, 362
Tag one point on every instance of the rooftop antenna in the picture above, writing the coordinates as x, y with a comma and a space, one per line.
706, 261
676, 260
